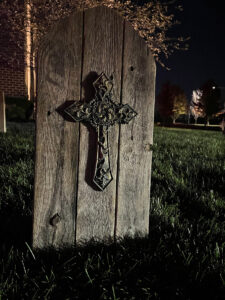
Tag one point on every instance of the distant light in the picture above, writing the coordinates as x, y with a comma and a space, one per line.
213, 87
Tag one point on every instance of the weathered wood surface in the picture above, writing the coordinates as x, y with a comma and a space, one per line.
2, 112
135, 155
103, 32
72, 56
59, 73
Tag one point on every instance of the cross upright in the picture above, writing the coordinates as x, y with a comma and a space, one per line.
101, 112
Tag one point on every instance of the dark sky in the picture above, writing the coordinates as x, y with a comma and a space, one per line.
204, 22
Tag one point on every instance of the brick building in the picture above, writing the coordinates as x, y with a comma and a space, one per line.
16, 80
12, 81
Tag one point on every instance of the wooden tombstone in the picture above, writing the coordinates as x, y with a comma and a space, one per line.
2, 112
68, 207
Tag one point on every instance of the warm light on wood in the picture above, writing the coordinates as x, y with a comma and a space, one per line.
68, 207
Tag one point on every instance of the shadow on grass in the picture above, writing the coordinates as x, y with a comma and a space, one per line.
15, 230
134, 268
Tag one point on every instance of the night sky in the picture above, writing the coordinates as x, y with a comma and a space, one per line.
204, 22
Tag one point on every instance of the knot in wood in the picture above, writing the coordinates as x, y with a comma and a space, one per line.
55, 220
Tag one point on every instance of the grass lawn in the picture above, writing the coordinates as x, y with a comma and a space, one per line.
183, 257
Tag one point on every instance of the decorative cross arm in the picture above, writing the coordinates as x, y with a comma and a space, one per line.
101, 112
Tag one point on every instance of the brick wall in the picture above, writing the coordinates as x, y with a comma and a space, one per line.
12, 81
12, 75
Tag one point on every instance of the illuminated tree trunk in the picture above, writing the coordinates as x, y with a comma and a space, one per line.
33, 67
28, 49
30, 59
2, 112
223, 125
188, 120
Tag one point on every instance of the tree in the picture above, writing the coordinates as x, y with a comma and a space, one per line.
196, 106
33, 18
164, 101
210, 99
171, 102
179, 105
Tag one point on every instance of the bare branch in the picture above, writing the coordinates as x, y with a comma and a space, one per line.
151, 20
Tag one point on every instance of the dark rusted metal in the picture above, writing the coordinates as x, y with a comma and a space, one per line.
102, 112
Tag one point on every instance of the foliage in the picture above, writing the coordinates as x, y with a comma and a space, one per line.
196, 106
179, 105
210, 99
183, 258
12, 20
152, 19
171, 102
18, 109
164, 101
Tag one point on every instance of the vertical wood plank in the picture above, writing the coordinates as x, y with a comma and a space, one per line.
2, 112
103, 33
59, 74
136, 137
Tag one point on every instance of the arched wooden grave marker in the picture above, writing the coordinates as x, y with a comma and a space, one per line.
69, 207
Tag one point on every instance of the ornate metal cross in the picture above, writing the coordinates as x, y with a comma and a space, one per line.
101, 113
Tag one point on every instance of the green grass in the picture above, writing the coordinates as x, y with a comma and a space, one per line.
183, 258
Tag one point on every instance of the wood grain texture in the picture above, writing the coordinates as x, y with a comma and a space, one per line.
2, 112
59, 73
68, 207
135, 155
103, 34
